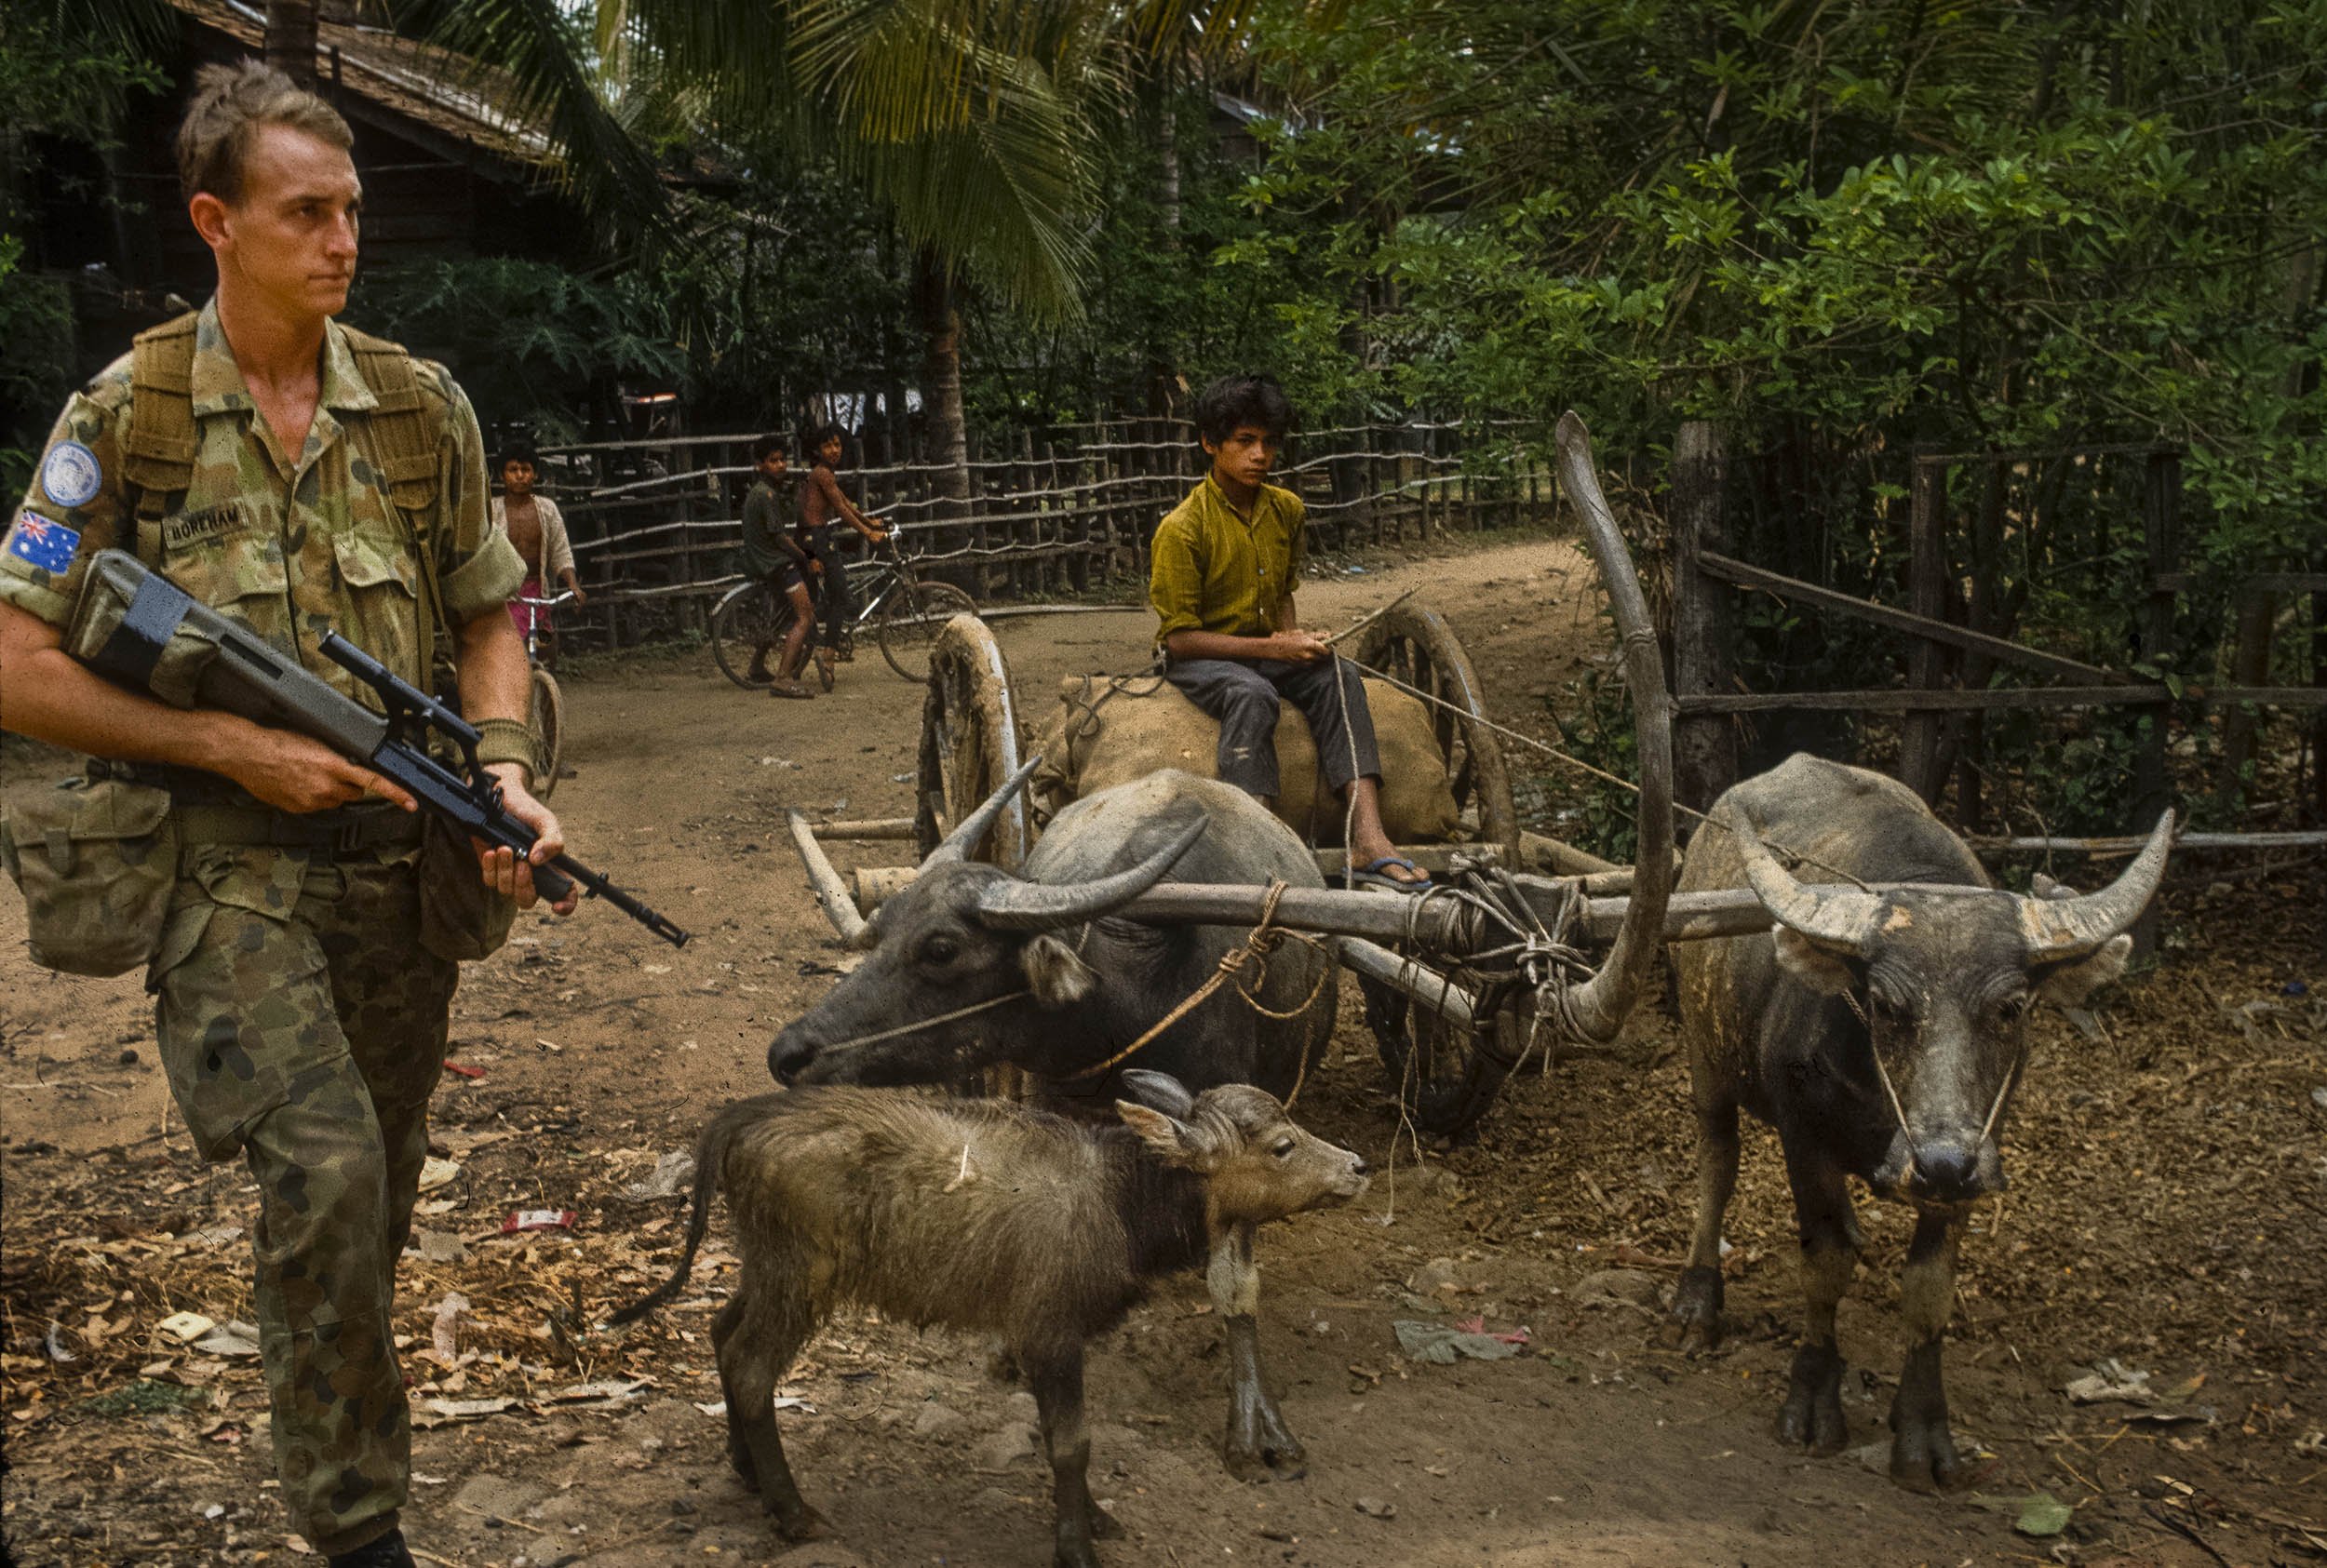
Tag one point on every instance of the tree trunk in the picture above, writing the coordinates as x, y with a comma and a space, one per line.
290, 39
941, 376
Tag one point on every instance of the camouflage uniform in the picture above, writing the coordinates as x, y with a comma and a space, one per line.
300, 1021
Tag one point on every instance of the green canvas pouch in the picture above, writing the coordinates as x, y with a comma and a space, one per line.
96, 858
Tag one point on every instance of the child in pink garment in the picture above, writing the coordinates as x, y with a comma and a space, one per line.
538, 530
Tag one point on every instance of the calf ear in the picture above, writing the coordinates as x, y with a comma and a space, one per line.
1829, 974
1054, 973
1161, 1091
1169, 1138
2068, 985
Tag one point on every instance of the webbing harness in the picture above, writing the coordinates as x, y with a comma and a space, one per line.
398, 436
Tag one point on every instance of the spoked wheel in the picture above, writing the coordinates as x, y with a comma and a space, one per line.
749, 616
911, 621
1445, 1077
1415, 645
968, 747
548, 713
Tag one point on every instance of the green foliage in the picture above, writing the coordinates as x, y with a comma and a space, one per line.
1842, 231
529, 340
66, 72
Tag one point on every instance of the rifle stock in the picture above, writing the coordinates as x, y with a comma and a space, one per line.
245, 674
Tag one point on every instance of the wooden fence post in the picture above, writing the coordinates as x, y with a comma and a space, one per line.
1920, 729
1704, 745
2160, 523
2250, 665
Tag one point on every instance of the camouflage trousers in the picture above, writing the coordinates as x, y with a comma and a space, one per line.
303, 1027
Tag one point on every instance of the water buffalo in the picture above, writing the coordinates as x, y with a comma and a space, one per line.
1063, 987
983, 1215
1881, 1035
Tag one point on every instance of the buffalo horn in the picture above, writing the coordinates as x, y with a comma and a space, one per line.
1597, 1009
1011, 905
2071, 928
1844, 918
963, 840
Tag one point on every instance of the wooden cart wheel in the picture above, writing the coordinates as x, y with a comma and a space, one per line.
969, 742
1447, 1077
969, 746
1415, 645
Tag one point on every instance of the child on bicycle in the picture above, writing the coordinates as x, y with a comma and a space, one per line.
772, 554
821, 501
538, 530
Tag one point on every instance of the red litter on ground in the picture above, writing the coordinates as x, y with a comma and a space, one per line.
1478, 1325
463, 1069
538, 1219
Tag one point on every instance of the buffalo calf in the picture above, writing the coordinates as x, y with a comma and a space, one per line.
988, 1217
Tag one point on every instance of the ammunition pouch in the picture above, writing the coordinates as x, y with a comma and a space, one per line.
96, 859
461, 920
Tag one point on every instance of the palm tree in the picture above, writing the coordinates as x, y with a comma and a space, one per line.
973, 122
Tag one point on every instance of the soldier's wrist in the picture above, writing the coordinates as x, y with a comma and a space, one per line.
507, 741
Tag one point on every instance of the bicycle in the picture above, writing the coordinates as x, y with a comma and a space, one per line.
906, 614
545, 706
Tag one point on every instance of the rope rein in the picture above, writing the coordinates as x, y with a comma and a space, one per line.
1262, 941
1601, 773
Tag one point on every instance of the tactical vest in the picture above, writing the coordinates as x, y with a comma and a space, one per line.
398, 436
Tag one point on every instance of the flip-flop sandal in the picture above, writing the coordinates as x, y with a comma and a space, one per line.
791, 689
1372, 876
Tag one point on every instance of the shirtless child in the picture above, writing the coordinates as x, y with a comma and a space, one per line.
536, 528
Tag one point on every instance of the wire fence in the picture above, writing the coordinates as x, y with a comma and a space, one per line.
658, 525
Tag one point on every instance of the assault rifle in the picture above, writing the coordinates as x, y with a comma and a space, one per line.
139, 629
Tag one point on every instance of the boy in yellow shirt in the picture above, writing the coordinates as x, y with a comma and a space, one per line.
1222, 575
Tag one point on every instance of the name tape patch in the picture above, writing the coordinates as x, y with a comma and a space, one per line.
188, 527
71, 475
43, 542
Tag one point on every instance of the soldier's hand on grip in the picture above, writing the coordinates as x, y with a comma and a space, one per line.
503, 871
291, 772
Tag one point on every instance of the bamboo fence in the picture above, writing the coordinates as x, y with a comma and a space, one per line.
657, 526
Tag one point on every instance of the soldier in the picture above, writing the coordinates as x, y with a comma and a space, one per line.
300, 477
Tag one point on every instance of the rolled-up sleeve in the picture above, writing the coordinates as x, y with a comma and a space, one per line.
45, 544
479, 568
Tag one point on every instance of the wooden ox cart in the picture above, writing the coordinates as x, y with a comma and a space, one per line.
1458, 985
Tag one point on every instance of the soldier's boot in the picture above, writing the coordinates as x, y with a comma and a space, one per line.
388, 1552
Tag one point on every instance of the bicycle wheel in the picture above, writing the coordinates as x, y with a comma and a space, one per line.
912, 620
749, 616
549, 728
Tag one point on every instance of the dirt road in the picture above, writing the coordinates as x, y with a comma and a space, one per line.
2169, 1183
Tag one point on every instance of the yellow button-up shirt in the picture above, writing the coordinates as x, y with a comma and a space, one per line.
1212, 570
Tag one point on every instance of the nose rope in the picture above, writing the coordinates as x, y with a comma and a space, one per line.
1258, 945
1896, 1108
1995, 1109
918, 1024
2009, 1078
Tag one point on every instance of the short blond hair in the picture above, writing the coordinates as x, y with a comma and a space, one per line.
230, 103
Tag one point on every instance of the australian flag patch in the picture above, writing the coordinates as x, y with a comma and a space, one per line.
44, 543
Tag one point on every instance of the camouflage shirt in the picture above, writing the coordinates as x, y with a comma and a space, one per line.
291, 547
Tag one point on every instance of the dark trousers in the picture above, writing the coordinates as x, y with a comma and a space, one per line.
839, 605
1242, 696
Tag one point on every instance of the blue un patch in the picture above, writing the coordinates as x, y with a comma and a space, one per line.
44, 543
